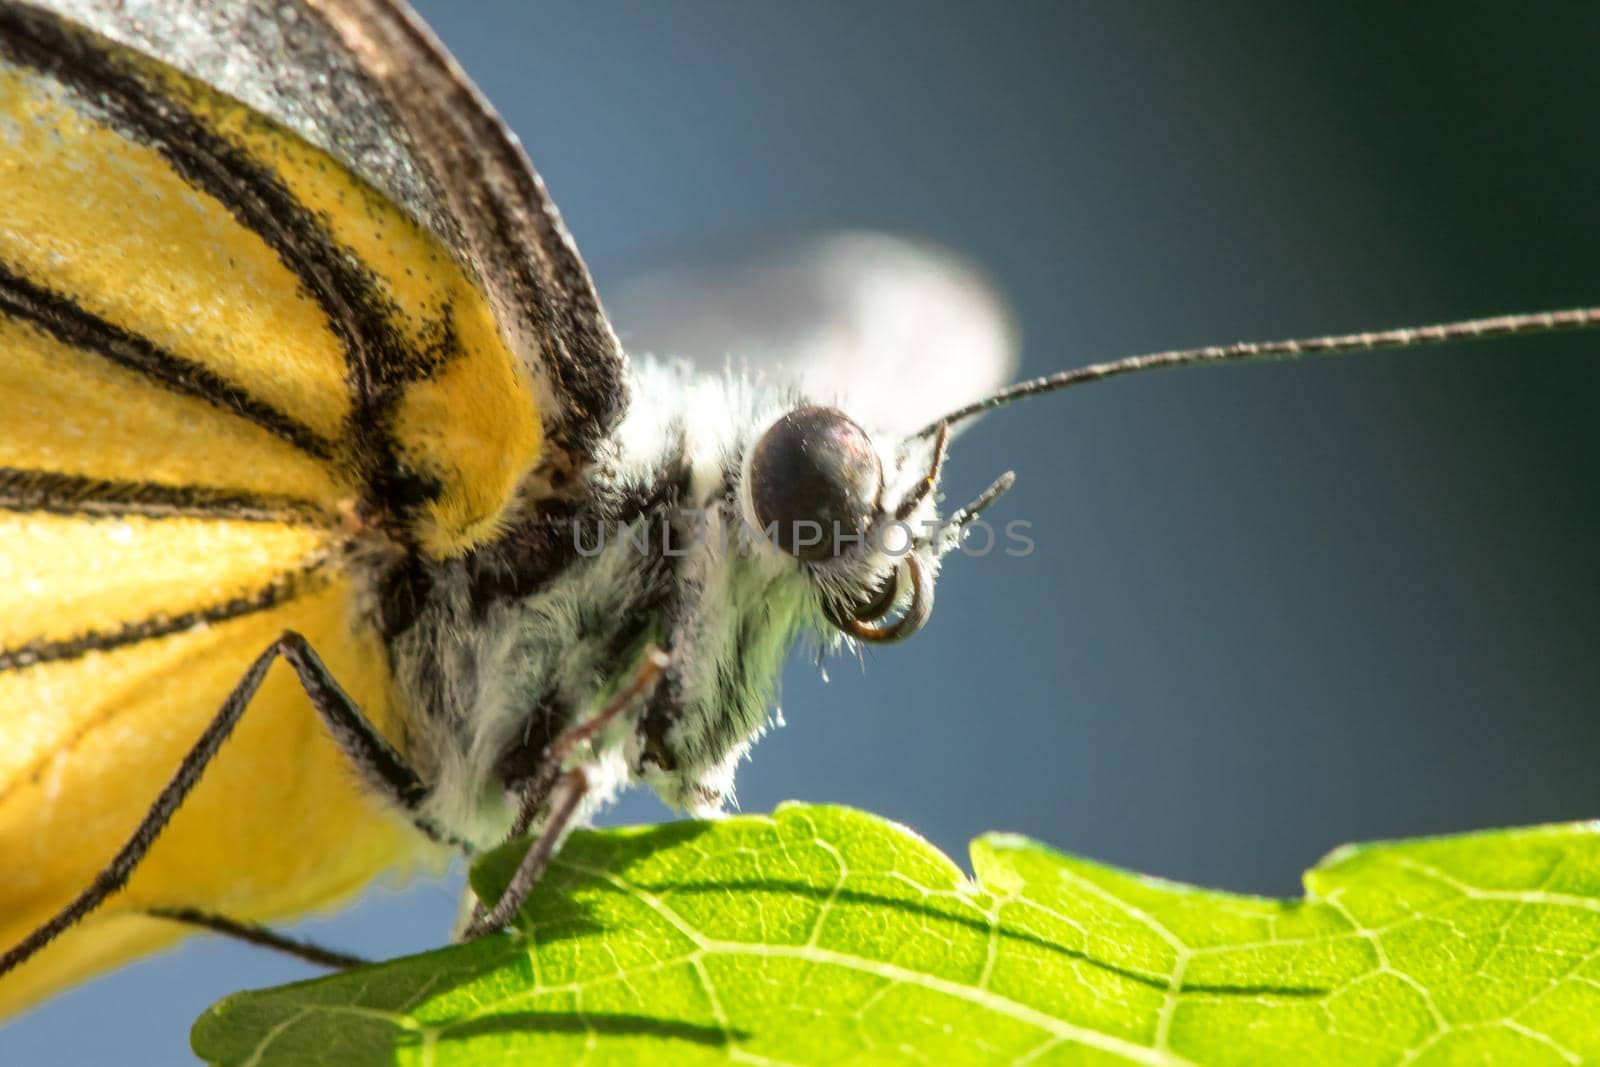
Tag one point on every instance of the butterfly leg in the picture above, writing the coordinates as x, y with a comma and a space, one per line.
380, 764
261, 936
564, 800
557, 794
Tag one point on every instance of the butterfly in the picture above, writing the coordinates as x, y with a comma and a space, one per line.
320, 376
303, 365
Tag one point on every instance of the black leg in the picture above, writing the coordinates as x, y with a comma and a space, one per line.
557, 795
379, 763
261, 936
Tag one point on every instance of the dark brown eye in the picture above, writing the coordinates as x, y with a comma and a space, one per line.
814, 479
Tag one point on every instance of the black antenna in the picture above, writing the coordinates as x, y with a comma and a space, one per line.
1467, 330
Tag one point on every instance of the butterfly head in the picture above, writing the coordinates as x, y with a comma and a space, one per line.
860, 520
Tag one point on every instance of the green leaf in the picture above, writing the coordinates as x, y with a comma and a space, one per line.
823, 935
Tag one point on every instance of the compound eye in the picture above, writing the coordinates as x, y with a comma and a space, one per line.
814, 478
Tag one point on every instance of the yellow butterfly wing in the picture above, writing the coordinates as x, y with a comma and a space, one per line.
220, 353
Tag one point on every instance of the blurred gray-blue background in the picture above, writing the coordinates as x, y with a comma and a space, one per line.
1273, 608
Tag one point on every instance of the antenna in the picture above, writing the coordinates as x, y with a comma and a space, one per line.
1407, 337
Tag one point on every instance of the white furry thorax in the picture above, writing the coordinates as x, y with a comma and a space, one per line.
726, 605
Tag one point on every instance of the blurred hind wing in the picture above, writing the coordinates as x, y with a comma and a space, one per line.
894, 331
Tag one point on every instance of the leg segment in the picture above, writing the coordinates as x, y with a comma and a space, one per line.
557, 794
564, 799
261, 936
380, 764
536, 790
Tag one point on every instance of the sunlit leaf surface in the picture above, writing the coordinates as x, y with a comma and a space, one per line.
821, 935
